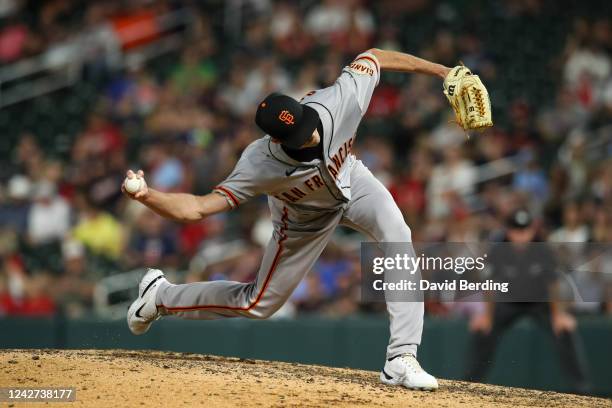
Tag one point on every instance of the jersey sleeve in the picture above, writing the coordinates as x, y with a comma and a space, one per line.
242, 184
362, 76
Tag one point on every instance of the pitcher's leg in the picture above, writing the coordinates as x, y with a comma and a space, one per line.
405, 327
289, 255
373, 212
216, 299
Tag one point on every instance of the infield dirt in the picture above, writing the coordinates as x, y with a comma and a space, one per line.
122, 378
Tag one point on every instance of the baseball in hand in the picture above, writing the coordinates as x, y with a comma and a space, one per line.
133, 185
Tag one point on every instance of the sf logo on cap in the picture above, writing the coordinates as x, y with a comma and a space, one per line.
286, 117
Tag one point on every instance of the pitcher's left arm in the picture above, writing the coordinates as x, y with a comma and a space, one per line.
465, 91
401, 62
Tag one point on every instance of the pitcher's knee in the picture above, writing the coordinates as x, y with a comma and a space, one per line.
258, 311
261, 305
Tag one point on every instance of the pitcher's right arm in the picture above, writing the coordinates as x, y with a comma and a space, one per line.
181, 207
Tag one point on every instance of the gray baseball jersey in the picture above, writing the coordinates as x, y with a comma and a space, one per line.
307, 201
264, 168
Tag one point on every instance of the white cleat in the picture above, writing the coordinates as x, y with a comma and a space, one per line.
405, 370
143, 310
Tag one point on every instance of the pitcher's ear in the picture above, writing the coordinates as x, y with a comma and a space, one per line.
275, 141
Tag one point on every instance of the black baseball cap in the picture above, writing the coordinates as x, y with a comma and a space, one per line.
520, 219
285, 119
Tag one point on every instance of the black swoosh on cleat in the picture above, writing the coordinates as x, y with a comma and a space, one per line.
138, 311
151, 284
387, 376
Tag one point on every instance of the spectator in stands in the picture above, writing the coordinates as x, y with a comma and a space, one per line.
73, 290
28, 155
420, 106
49, 216
13, 41
601, 187
454, 178
306, 81
166, 171
331, 267
555, 122
265, 77
15, 208
335, 20
98, 230
256, 41
573, 229
309, 294
25, 295
531, 179
588, 65
37, 300
133, 95
446, 134
408, 190
348, 290
377, 155
100, 138
196, 71
176, 115
287, 30
572, 155
152, 243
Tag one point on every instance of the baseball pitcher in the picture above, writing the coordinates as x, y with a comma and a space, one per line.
314, 183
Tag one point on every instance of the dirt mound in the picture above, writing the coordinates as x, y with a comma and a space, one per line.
121, 378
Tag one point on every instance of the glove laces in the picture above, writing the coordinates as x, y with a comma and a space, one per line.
479, 99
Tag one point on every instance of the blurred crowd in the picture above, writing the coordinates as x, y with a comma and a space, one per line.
64, 224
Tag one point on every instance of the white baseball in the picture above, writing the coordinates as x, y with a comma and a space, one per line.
133, 185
